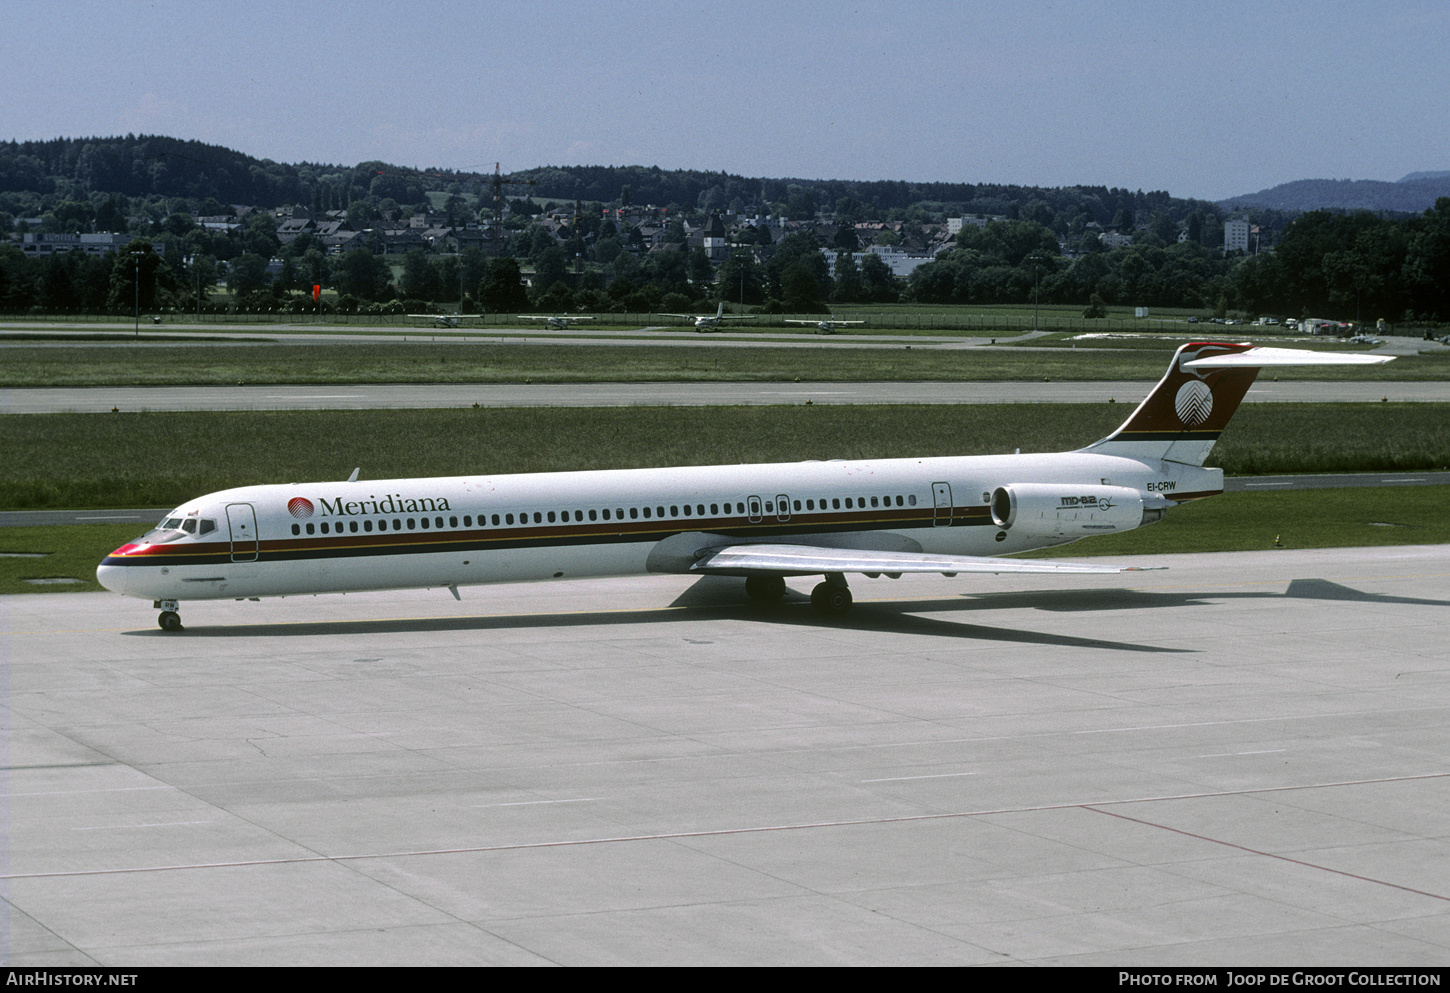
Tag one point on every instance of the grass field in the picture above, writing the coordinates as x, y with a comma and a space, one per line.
158, 459
181, 364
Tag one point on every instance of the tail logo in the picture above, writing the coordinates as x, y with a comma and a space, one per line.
300, 508
1193, 403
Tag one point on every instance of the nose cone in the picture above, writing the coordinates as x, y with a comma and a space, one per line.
113, 576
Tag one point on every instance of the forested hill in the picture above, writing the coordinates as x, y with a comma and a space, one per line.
159, 166
724, 191
149, 165
1411, 195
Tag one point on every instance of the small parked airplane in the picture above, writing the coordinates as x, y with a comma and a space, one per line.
556, 323
824, 327
765, 523
446, 320
708, 322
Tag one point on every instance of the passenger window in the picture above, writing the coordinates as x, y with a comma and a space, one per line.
646, 511
453, 522
659, 512
495, 519
509, 518
352, 526
594, 515
412, 524
797, 504
675, 511
606, 513
874, 503
324, 527
397, 524
551, 517
634, 513
367, 525
296, 529
848, 503
714, 510
311, 529
911, 499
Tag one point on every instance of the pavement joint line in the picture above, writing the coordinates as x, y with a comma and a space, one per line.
1271, 855
759, 829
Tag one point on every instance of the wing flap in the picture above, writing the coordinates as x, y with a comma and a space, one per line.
806, 560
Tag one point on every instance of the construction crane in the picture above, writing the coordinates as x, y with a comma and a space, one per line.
498, 201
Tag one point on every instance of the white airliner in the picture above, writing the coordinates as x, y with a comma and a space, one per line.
824, 327
557, 323
761, 522
705, 322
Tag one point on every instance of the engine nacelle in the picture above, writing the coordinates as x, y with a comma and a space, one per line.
1068, 510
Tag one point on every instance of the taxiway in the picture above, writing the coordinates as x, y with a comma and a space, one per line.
1242, 760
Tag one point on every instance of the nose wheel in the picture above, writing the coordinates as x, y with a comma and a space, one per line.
169, 620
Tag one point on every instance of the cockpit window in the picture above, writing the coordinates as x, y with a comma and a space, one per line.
176, 528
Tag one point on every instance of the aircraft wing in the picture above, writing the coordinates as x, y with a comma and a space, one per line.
808, 560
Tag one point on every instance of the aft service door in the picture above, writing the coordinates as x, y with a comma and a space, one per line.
941, 500
243, 523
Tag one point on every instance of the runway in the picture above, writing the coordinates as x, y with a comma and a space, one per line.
102, 399
1239, 761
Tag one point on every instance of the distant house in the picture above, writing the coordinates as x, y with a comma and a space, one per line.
398, 241
955, 224
715, 245
291, 228
901, 262
1236, 234
39, 245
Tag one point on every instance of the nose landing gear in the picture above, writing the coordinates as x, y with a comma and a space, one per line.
169, 620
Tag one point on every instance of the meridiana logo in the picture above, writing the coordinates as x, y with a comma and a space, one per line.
300, 508
1193, 403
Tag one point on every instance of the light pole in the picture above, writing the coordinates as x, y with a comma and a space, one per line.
136, 260
1035, 260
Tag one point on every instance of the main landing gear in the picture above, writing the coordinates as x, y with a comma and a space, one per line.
169, 620
830, 597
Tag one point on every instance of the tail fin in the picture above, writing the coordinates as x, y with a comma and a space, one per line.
1188, 409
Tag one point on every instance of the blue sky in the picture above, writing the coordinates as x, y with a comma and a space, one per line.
1203, 100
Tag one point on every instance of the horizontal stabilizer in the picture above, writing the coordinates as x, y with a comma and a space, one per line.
809, 560
1261, 358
